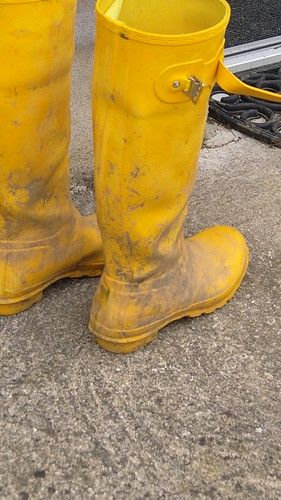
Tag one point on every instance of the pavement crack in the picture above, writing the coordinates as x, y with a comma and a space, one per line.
217, 146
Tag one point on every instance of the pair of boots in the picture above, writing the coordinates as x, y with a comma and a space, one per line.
156, 62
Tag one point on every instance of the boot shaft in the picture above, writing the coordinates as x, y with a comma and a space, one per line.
150, 112
35, 60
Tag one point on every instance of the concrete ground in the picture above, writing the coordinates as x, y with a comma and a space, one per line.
194, 415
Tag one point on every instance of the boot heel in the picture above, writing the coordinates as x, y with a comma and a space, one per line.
120, 347
18, 307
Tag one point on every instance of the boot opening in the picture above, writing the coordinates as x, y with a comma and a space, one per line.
166, 17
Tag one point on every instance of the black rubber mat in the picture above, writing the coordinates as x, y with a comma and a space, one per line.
254, 117
253, 20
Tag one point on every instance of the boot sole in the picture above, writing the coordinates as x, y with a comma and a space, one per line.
143, 336
22, 303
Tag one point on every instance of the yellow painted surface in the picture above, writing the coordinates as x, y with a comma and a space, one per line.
42, 236
148, 133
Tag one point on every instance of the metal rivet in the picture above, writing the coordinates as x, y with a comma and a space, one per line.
176, 84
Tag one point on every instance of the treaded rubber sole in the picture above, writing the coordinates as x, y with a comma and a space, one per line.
132, 343
21, 304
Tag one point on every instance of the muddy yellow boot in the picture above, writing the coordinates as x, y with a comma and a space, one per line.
156, 62
42, 236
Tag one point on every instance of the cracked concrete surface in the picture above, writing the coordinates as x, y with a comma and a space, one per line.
218, 136
194, 415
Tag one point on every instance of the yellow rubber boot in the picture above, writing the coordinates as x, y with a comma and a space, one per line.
42, 236
156, 63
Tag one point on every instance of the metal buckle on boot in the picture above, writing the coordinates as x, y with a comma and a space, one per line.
174, 84
194, 88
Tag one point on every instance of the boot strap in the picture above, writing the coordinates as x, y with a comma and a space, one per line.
230, 83
187, 81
